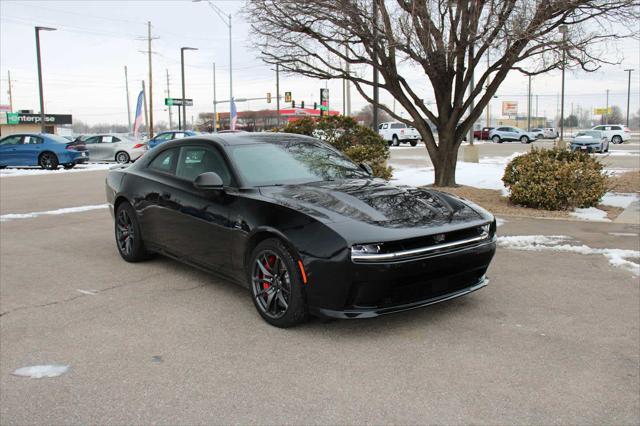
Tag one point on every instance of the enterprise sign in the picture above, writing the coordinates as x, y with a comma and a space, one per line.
18, 118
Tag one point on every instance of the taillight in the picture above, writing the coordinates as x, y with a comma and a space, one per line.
138, 145
71, 147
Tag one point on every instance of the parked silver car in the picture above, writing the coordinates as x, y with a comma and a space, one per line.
110, 147
590, 141
508, 133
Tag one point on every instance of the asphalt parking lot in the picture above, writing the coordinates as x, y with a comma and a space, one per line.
553, 339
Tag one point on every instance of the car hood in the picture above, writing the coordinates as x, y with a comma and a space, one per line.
585, 140
377, 203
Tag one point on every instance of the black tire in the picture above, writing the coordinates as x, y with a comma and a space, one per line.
68, 166
524, 139
122, 157
616, 139
279, 300
395, 141
413, 143
128, 235
607, 150
48, 161
496, 139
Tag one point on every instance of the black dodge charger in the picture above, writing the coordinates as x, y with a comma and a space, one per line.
299, 224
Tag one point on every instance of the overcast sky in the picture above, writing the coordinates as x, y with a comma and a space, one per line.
83, 62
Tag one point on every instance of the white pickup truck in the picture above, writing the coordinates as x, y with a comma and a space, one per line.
396, 133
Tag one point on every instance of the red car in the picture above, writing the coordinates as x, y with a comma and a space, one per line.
483, 134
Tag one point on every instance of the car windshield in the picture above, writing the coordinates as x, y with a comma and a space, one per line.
268, 164
592, 134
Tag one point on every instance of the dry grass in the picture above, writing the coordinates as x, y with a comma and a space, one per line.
626, 182
493, 201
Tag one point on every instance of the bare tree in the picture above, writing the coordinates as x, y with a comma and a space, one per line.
444, 43
365, 115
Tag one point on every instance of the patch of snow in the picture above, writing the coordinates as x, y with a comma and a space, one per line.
35, 171
619, 199
40, 371
500, 221
560, 243
15, 216
91, 293
591, 213
623, 234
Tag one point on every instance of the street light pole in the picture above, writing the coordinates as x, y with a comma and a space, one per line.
215, 103
184, 107
628, 93
563, 30
226, 19
38, 29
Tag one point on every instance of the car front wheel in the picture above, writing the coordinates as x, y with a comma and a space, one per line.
277, 285
524, 139
122, 157
496, 139
396, 141
616, 139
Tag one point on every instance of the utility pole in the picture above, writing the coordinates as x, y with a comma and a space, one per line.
278, 92
126, 86
348, 84
150, 129
607, 109
38, 29
11, 94
563, 29
471, 88
184, 107
215, 104
375, 69
488, 124
628, 92
168, 96
537, 110
144, 102
529, 106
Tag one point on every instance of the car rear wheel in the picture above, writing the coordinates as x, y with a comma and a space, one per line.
276, 285
122, 157
48, 161
616, 139
413, 143
395, 141
69, 166
524, 139
496, 139
128, 235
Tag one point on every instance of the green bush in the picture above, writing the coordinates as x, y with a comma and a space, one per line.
359, 143
555, 179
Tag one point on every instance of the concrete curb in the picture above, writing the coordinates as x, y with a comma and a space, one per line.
630, 215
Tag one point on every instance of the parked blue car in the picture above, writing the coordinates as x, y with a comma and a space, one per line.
41, 149
169, 135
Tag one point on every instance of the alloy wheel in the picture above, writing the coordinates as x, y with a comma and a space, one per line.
122, 158
271, 284
125, 232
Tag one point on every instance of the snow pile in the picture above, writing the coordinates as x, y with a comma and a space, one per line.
590, 213
560, 243
15, 216
619, 199
40, 371
34, 171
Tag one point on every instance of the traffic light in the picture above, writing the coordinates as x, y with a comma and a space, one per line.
293, 104
301, 104
268, 97
287, 96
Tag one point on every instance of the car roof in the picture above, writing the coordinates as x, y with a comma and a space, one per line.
248, 138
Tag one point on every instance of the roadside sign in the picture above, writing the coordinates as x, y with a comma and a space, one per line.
178, 102
268, 97
324, 99
509, 108
5, 108
287, 96
13, 118
601, 111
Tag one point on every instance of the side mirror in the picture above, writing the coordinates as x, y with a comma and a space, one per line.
208, 181
367, 168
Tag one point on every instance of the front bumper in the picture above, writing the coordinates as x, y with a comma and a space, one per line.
347, 289
586, 148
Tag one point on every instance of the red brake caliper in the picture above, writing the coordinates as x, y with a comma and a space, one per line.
271, 260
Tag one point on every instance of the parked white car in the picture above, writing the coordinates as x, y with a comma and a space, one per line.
616, 133
509, 133
108, 147
396, 133
545, 132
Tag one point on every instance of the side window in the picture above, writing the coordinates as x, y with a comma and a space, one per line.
380, 127
385, 126
599, 128
92, 140
11, 140
107, 139
195, 160
165, 161
616, 128
398, 126
503, 129
31, 140
164, 137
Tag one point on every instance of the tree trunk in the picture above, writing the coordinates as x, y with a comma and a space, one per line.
444, 162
